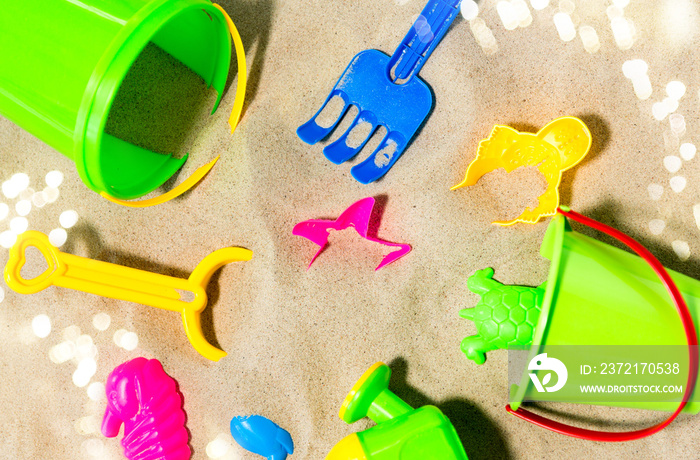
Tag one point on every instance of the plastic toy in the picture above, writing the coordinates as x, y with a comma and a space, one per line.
505, 317
145, 399
69, 59
559, 146
124, 283
388, 92
261, 436
401, 433
356, 216
597, 294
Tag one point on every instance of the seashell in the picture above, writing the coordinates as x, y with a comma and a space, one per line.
146, 400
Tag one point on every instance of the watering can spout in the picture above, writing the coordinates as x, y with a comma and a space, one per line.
349, 448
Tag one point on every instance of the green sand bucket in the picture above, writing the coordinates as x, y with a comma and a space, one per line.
65, 60
597, 294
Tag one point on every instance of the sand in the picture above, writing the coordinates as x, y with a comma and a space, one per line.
298, 339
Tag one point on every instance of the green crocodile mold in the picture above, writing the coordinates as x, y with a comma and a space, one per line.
505, 317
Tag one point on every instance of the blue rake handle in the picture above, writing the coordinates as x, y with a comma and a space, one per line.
424, 36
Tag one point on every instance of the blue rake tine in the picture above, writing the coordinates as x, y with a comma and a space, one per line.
339, 151
311, 132
381, 160
389, 88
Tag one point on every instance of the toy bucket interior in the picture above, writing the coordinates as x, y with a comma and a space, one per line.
68, 61
597, 294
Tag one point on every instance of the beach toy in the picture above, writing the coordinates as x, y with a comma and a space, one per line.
597, 294
559, 146
261, 436
124, 283
401, 433
505, 317
356, 216
142, 397
69, 59
388, 92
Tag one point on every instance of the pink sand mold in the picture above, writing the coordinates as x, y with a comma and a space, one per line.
357, 216
146, 400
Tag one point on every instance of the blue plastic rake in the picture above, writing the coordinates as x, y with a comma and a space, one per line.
388, 92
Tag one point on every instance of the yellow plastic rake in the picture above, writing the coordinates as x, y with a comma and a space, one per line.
124, 283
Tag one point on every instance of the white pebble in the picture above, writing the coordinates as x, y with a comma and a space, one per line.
84, 344
23, 207
41, 325
71, 333
219, 446
659, 110
589, 38
696, 214
675, 89
635, 68
68, 219
469, 9
4, 211
614, 11
678, 183
655, 191
101, 321
118, 336
522, 12
642, 87
62, 352
26, 194
539, 4
94, 447
96, 391
677, 122
85, 425
623, 31
672, 163
20, 182
682, 249
565, 26
51, 194
54, 179
86, 369
670, 104
687, 151
567, 6
8, 239
130, 341
19, 225
39, 199
2, 294
507, 13
657, 226
58, 237
9, 190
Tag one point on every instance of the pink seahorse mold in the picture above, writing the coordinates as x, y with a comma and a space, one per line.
146, 400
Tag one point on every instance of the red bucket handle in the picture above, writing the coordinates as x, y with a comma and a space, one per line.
607, 436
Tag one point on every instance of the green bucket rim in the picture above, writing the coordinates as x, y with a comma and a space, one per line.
554, 239
109, 75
